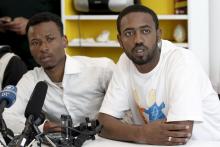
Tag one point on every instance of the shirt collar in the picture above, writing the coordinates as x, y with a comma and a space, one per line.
72, 66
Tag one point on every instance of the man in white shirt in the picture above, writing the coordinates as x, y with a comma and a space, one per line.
164, 87
76, 85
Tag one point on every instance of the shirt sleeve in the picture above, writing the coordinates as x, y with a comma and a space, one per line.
185, 80
14, 71
116, 99
107, 74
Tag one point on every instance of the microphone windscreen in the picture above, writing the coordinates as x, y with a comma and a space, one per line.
36, 100
9, 95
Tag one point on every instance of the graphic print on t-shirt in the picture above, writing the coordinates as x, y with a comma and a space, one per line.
153, 111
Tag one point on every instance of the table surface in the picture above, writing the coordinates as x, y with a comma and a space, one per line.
102, 142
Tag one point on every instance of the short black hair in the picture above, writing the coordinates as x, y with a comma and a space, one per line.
45, 17
136, 8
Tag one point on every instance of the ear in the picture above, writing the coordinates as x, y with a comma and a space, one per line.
119, 40
65, 41
159, 33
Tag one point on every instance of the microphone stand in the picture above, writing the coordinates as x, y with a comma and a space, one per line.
26, 135
7, 134
30, 135
39, 137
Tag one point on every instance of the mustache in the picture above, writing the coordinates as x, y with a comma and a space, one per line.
139, 46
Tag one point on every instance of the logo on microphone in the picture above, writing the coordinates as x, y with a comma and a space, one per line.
10, 88
8, 94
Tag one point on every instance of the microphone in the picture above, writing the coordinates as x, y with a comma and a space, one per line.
33, 113
7, 97
36, 101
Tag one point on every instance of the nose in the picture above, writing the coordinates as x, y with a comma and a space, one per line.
138, 38
44, 46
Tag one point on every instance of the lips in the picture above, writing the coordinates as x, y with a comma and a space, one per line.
45, 58
139, 51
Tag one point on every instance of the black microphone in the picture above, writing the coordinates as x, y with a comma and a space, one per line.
36, 101
32, 113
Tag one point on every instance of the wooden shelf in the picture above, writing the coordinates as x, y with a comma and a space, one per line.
173, 17
94, 44
185, 44
91, 17
108, 44
114, 17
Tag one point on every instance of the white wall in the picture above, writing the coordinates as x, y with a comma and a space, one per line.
198, 30
215, 43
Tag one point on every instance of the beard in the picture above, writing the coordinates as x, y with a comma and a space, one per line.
148, 55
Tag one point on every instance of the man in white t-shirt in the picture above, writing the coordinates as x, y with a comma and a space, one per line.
163, 86
12, 67
76, 85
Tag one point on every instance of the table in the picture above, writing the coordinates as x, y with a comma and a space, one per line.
102, 142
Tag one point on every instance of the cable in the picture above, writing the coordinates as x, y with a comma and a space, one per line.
2, 144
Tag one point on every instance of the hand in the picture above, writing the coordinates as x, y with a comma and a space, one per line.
18, 25
51, 127
163, 133
4, 20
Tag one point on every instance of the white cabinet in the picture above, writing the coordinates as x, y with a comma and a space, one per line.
74, 43
196, 24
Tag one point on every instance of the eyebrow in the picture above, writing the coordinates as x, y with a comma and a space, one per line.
34, 39
144, 26
47, 35
50, 34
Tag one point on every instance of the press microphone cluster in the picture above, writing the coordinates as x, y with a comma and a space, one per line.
33, 112
34, 116
70, 136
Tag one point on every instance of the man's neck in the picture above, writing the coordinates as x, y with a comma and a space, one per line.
56, 74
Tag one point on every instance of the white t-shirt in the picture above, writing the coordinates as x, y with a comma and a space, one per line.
177, 89
4, 60
80, 94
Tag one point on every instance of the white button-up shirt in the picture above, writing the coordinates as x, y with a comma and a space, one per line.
84, 84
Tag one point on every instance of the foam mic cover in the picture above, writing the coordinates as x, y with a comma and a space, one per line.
36, 100
7, 97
